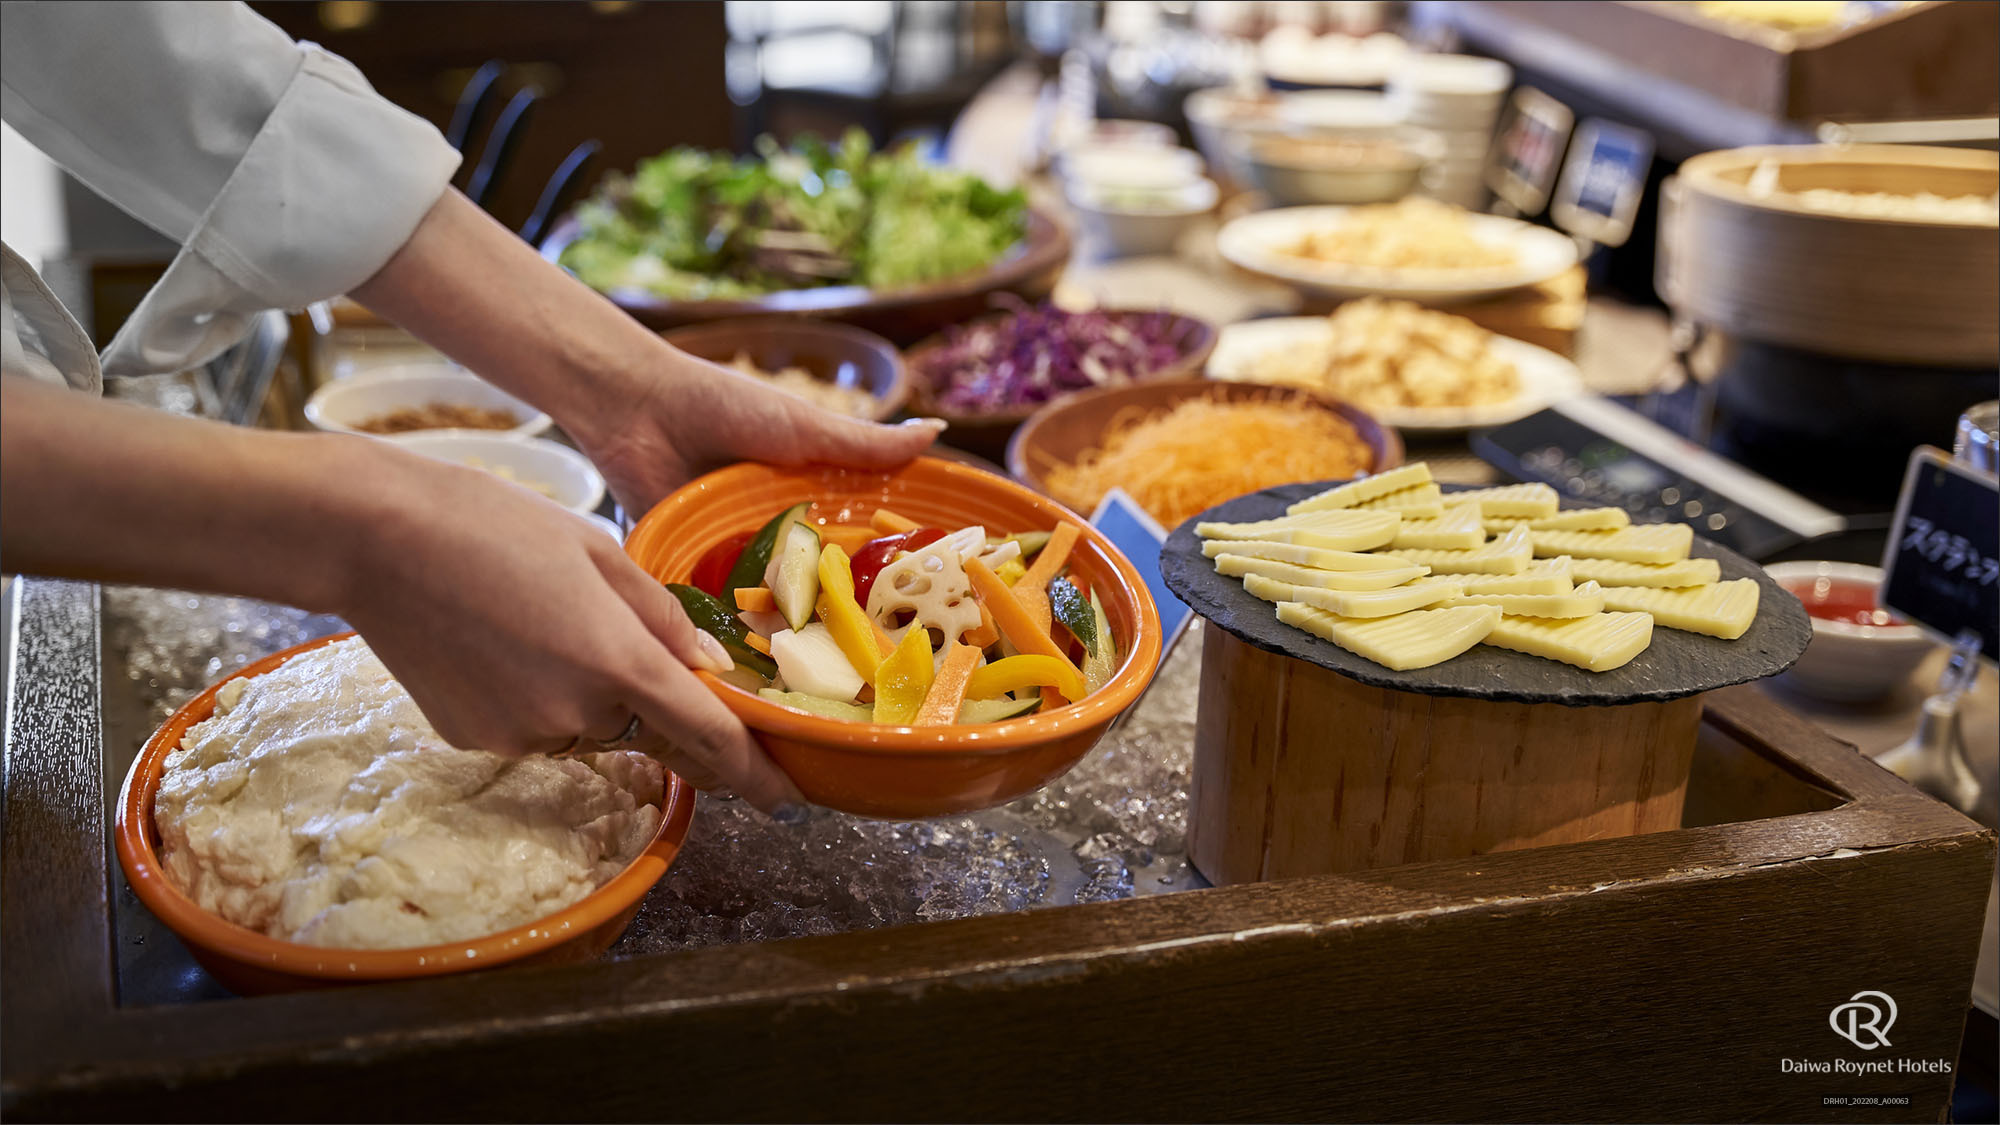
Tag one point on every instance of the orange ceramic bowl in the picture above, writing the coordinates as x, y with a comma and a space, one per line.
876, 770
252, 963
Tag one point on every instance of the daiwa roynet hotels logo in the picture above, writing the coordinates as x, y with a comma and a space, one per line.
1864, 1020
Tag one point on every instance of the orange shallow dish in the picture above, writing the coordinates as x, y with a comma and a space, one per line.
877, 770
252, 964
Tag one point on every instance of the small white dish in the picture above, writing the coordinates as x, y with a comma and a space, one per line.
1258, 242
1846, 662
1130, 166
344, 404
1545, 376
554, 470
1352, 112
1132, 221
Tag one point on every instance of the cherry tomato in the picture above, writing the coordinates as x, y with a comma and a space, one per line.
713, 569
877, 553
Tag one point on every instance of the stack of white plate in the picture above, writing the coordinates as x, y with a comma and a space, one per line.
1458, 97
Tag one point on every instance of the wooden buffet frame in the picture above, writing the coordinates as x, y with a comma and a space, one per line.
1658, 977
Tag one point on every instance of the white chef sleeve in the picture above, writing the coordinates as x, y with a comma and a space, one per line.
283, 175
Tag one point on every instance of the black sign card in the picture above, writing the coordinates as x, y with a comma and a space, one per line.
1942, 567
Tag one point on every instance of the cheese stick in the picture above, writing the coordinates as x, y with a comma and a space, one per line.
1581, 602
1353, 603
1236, 566
1456, 530
1300, 555
1597, 643
1417, 639
1508, 554
1724, 610
1365, 488
1606, 572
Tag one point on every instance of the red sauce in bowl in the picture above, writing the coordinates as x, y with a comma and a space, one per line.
1841, 599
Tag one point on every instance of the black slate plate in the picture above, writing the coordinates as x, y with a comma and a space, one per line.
1676, 664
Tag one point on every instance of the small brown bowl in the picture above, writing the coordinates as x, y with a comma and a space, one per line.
1064, 430
836, 353
987, 434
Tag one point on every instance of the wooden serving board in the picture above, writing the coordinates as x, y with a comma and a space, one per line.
1674, 666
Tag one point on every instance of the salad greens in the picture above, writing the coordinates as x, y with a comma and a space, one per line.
695, 225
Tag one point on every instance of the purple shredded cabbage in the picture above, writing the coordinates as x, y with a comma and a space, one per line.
1042, 352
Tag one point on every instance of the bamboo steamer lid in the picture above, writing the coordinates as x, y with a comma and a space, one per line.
1767, 267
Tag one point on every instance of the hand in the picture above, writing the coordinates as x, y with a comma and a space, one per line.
697, 416
518, 627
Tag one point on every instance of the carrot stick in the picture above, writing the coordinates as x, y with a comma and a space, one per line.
756, 599
851, 536
1008, 613
947, 692
889, 523
1033, 588
987, 633
757, 641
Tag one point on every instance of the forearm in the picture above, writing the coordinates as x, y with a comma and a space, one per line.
111, 492
470, 288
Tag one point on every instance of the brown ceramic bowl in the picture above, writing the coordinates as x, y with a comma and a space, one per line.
1062, 431
874, 769
988, 433
905, 316
835, 353
251, 963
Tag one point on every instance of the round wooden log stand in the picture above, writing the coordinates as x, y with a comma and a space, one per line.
1302, 771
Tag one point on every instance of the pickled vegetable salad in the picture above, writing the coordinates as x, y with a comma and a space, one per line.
902, 624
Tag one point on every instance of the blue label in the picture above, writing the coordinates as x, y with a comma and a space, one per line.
1139, 537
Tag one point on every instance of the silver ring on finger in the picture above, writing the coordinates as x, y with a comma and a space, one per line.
625, 738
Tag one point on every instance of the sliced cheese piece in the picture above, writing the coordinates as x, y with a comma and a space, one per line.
1580, 602
1236, 566
1574, 519
1597, 643
1300, 555
1724, 609
1365, 488
1424, 502
1457, 530
1335, 531
1353, 603
1417, 639
1543, 576
1515, 501
1508, 554
1607, 572
1650, 543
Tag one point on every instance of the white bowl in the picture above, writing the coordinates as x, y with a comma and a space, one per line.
1131, 221
569, 477
1348, 111
342, 405
1221, 118
1844, 662
1453, 77
606, 526
1130, 166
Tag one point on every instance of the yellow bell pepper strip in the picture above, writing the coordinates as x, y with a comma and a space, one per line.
1033, 588
947, 692
1024, 671
904, 678
887, 522
853, 630
1010, 571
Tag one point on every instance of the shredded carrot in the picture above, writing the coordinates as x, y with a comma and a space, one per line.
947, 692
886, 522
1033, 588
850, 536
756, 599
1182, 461
757, 641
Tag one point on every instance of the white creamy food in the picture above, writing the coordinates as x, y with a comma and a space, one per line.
318, 806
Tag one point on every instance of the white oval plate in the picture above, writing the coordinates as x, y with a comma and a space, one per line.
1545, 376
1257, 243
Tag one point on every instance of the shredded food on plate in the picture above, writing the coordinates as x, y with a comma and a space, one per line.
1395, 354
1410, 234
1181, 461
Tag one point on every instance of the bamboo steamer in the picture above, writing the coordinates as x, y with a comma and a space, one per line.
1885, 290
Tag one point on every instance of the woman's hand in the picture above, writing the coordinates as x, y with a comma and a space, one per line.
518, 628
693, 416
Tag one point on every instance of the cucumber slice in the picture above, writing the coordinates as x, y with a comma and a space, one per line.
756, 558
814, 705
1102, 663
792, 516
796, 587
718, 621
1030, 541
994, 710
1076, 615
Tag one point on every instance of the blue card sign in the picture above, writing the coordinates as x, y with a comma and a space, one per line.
1139, 536
1942, 566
